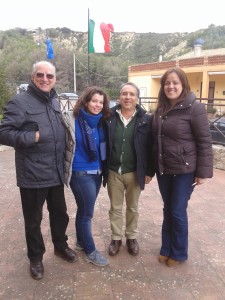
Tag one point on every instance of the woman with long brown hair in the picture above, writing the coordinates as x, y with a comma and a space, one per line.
182, 153
85, 165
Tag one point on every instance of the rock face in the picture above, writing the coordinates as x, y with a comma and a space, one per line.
219, 157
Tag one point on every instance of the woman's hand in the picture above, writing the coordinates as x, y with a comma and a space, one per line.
199, 181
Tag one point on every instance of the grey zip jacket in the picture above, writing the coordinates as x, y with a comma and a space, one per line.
41, 164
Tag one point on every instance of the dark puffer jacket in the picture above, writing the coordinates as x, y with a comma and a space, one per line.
142, 143
41, 164
182, 140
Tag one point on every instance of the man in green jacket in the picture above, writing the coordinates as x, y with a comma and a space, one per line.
129, 165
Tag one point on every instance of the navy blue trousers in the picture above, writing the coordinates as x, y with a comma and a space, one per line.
175, 191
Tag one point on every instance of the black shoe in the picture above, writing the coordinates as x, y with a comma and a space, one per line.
37, 270
132, 246
114, 247
67, 254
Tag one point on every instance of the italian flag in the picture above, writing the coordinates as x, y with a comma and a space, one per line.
99, 37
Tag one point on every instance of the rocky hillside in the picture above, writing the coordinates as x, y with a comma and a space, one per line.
138, 48
19, 48
132, 47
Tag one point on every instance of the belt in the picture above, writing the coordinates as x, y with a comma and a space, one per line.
89, 172
96, 172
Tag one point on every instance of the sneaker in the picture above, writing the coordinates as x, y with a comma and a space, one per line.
78, 247
96, 259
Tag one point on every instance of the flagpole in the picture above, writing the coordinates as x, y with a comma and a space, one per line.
74, 73
88, 52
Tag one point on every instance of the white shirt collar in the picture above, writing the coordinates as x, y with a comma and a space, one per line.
124, 120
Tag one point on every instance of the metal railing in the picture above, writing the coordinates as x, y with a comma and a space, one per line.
216, 113
212, 105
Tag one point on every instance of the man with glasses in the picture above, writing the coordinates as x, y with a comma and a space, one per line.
32, 125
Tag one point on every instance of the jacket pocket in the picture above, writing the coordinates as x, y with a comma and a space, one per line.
29, 126
35, 115
39, 167
35, 111
174, 154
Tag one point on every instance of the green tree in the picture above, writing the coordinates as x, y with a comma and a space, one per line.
4, 91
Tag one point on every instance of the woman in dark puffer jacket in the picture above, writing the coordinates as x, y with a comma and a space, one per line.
183, 158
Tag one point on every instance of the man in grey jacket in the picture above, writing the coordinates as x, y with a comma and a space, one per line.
32, 125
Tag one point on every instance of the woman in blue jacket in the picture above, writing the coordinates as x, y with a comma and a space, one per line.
85, 157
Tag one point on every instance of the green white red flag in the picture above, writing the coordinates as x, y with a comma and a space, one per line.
99, 35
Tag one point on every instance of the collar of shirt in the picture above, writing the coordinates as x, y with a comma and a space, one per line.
124, 120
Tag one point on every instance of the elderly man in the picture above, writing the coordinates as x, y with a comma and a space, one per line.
32, 125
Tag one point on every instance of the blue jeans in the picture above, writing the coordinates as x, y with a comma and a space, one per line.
85, 188
175, 191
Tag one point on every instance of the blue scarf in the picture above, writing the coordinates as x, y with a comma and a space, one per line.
87, 122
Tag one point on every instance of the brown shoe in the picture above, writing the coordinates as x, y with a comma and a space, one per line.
163, 258
133, 247
114, 247
172, 262
66, 254
36, 270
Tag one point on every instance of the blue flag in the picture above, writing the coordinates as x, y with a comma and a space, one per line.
50, 50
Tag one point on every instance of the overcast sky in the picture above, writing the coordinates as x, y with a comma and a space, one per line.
160, 16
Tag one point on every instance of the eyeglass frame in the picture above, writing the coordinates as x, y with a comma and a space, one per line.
42, 75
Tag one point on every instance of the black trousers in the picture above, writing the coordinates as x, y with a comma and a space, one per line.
32, 204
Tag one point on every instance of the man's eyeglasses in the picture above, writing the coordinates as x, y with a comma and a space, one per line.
42, 75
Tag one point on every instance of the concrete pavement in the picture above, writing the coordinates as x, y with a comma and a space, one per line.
143, 277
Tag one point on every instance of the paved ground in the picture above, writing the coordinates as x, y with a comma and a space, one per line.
127, 277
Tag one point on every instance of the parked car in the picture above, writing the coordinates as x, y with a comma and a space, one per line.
23, 87
217, 129
113, 103
68, 96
